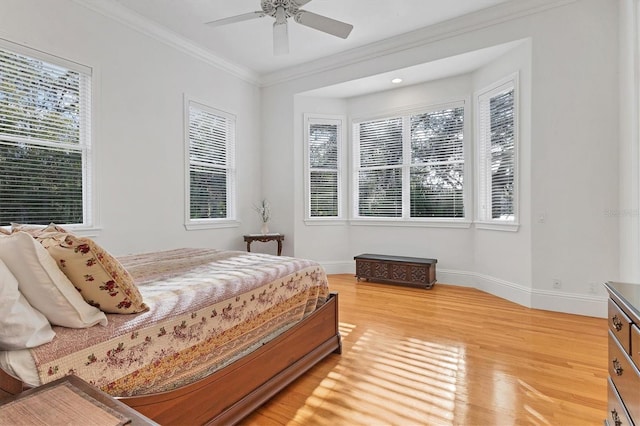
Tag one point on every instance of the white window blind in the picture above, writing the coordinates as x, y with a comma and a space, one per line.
45, 145
211, 141
412, 166
497, 154
380, 168
437, 164
323, 147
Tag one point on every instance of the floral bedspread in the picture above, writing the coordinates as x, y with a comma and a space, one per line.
206, 308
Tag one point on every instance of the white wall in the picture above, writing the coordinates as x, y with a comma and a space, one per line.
574, 149
570, 156
628, 212
503, 259
569, 161
138, 138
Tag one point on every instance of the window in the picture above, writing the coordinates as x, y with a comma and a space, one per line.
324, 146
497, 150
411, 167
211, 180
45, 139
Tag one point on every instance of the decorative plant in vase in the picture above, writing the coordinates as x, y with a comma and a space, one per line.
264, 210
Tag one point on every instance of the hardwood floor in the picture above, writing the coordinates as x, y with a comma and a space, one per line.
448, 356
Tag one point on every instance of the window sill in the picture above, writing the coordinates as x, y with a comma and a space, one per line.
89, 232
196, 226
497, 226
325, 222
432, 223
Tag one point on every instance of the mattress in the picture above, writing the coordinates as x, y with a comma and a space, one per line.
207, 308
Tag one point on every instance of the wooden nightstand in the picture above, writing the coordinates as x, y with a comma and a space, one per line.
68, 401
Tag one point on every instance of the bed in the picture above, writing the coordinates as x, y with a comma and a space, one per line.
193, 355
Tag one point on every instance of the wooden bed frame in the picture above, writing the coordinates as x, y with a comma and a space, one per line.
233, 392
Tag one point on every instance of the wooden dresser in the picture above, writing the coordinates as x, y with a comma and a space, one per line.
624, 354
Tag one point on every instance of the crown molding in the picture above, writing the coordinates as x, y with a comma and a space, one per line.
483, 18
471, 22
127, 17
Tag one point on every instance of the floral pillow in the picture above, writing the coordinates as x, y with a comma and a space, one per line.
99, 277
44, 286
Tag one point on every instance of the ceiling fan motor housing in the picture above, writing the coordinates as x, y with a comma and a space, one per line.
270, 7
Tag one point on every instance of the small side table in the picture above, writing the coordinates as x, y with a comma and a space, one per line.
249, 238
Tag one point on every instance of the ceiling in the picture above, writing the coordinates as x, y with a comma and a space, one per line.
434, 70
249, 43
246, 48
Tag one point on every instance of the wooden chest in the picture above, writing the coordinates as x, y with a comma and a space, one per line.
411, 271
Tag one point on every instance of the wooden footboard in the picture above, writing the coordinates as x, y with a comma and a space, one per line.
233, 392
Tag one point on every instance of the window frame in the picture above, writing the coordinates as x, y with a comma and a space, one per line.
339, 121
483, 177
406, 219
231, 170
87, 137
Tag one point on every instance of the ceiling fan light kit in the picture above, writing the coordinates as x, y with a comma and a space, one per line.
281, 10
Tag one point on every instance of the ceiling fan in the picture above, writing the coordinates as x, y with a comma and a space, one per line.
281, 10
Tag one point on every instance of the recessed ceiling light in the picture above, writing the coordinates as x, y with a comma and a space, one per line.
396, 81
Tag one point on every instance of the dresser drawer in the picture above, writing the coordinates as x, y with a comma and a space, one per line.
635, 345
625, 377
620, 325
616, 412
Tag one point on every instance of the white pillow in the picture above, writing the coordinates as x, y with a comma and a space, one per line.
44, 285
21, 326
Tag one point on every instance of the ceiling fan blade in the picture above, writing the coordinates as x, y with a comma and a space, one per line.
280, 38
301, 3
237, 18
324, 24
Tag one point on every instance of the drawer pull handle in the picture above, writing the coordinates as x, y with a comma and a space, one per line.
617, 367
616, 418
616, 323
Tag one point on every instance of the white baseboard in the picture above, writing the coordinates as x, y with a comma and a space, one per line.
549, 300
339, 267
507, 290
571, 303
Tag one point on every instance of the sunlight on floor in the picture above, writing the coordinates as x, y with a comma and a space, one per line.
411, 382
534, 416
